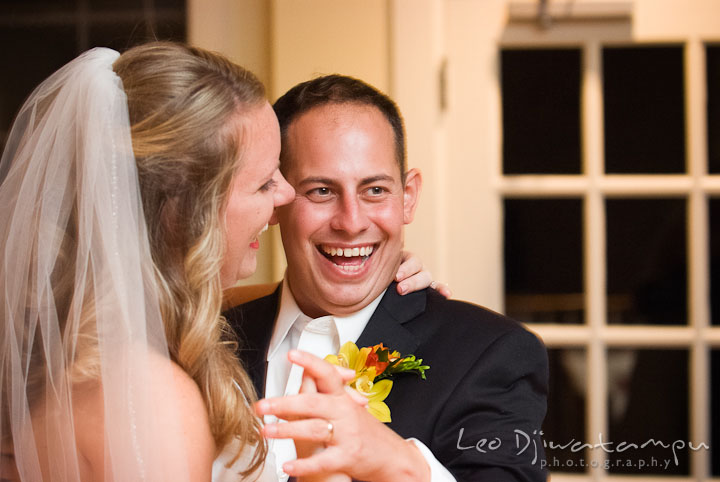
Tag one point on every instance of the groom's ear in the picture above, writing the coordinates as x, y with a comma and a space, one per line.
411, 194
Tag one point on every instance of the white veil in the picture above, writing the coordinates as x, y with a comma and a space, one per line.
82, 338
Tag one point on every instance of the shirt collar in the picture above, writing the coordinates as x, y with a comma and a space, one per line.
349, 327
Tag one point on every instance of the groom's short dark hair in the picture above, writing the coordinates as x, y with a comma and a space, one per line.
338, 89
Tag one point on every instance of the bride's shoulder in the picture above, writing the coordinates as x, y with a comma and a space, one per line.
168, 379
180, 398
180, 420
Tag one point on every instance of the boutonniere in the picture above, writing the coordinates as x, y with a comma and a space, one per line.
374, 366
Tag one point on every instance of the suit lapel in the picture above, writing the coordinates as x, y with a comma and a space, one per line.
386, 324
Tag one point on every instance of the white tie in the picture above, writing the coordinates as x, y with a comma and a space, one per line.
319, 337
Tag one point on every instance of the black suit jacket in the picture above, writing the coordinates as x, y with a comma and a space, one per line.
481, 408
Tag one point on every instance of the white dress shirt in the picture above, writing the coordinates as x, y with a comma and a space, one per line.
286, 336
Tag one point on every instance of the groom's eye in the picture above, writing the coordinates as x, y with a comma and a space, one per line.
319, 194
320, 191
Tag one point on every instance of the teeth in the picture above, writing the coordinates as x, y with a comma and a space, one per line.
347, 252
351, 268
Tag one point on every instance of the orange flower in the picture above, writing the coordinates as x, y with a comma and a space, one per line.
374, 361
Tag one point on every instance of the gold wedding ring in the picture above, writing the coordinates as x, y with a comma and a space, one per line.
331, 433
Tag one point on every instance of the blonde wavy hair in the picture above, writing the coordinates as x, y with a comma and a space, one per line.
185, 104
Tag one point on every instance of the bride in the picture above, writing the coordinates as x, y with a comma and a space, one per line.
134, 188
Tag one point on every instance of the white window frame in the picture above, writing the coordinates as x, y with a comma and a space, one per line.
594, 186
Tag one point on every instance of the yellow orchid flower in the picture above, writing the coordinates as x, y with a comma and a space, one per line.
370, 379
376, 396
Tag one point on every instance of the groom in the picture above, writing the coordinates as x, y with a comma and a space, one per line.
478, 414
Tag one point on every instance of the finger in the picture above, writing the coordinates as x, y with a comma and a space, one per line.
443, 289
416, 282
410, 266
308, 385
316, 430
326, 375
346, 374
357, 397
306, 405
325, 461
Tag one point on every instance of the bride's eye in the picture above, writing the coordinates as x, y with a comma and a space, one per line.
271, 184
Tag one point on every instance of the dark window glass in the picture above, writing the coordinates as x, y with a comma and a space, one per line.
646, 261
170, 25
121, 36
648, 400
99, 5
27, 61
115, 4
713, 105
9, 8
715, 260
565, 420
541, 111
45, 35
644, 110
714, 413
543, 260
174, 4
13, 4
170, 28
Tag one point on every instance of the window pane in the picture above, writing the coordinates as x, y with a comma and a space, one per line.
648, 400
714, 413
565, 419
541, 111
715, 261
30, 61
118, 35
646, 261
713, 103
644, 110
25, 67
543, 260
180, 5
171, 27
12, 7
116, 4
121, 36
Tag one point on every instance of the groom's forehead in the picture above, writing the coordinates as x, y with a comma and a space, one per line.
335, 141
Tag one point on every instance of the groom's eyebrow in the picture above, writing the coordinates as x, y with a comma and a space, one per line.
316, 180
378, 178
330, 181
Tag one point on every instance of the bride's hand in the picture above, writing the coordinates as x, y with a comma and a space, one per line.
306, 449
412, 276
354, 442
